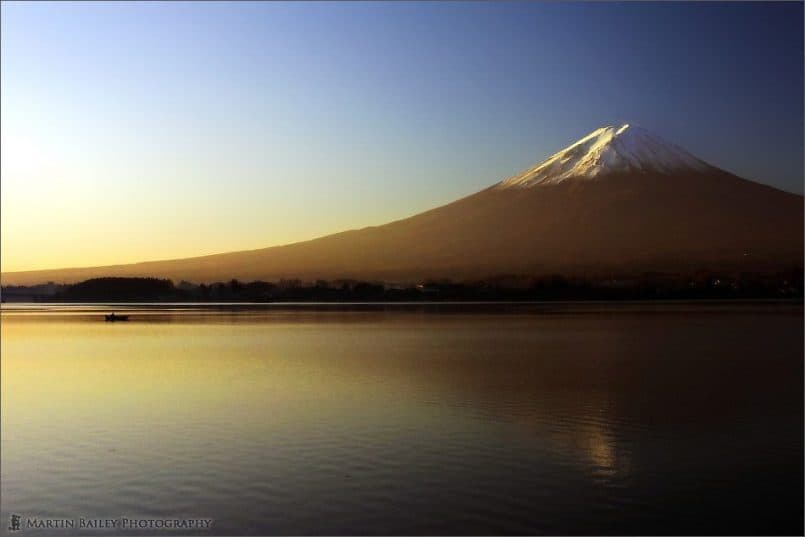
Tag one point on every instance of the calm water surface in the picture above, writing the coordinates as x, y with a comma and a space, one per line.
557, 419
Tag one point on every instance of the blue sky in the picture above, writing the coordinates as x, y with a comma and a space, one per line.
194, 128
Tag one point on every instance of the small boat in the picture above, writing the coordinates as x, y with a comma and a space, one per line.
112, 318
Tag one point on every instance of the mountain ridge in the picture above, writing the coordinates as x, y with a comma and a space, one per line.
643, 217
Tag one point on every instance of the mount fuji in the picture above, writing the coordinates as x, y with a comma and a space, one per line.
620, 199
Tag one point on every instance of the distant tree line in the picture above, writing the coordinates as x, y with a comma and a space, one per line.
700, 285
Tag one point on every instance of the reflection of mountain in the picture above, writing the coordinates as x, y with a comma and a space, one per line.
617, 200
632, 387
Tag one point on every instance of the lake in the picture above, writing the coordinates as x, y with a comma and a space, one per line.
648, 418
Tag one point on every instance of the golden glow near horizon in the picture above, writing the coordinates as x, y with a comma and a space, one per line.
62, 211
61, 208
76, 201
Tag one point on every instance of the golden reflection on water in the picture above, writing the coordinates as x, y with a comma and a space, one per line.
296, 412
141, 381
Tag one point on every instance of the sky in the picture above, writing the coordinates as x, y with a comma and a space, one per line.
142, 131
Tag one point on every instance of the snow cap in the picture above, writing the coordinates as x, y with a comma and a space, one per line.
609, 150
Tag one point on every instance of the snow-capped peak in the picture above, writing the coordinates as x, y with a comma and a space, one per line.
609, 150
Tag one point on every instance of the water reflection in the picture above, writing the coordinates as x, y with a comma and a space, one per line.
367, 421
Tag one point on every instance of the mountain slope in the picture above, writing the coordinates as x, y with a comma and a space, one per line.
618, 200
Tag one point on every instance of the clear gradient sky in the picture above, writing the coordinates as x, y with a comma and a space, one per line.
147, 131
